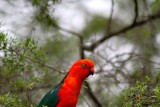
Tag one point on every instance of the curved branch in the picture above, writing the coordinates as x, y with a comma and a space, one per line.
123, 30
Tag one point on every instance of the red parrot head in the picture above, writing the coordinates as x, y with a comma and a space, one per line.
82, 68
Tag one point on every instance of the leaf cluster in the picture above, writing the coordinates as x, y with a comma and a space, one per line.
20, 68
144, 94
10, 101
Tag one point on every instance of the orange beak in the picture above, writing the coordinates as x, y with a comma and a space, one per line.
91, 71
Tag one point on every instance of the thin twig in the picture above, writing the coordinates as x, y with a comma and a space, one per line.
68, 31
45, 86
44, 65
110, 18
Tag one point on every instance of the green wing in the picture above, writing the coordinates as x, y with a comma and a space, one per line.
51, 98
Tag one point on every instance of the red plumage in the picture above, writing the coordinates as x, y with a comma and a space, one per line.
70, 89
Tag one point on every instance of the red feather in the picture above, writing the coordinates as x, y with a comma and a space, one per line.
69, 92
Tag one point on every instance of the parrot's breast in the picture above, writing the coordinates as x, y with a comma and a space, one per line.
69, 92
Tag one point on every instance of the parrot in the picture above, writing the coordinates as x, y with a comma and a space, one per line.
66, 93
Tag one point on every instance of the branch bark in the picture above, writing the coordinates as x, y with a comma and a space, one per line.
135, 11
123, 30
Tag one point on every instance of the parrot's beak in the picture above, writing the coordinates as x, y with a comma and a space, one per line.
91, 71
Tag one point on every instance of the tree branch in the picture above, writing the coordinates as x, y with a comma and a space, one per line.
68, 31
135, 11
44, 65
123, 30
45, 86
81, 48
90, 93
110, 18
80, 37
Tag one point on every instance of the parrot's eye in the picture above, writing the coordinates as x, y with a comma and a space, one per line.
83, 65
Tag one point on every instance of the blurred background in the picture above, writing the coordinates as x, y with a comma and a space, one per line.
121, 36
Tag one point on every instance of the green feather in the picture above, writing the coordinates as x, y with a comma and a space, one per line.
51, 98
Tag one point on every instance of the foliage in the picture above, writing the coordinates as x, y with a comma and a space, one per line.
155, 6
20, 68
10, 101
43, 15
39, 2
144, 93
